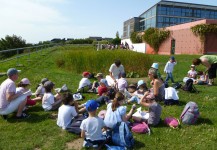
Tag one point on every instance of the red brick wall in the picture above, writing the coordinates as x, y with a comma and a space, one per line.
211, 44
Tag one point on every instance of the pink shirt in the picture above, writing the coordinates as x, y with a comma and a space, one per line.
7, 86
122, 84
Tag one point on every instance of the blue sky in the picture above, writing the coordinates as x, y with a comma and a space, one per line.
41, 20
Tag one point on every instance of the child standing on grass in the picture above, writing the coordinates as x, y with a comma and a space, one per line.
67, 111
168, 69
49, 101
91, 128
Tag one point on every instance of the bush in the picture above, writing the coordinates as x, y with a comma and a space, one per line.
135, 38
154, 37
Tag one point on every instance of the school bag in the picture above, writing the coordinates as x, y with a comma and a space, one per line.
121, 135
111, 147
140, 128
172, 122
190, 113
177, 85
75, 125
189, 86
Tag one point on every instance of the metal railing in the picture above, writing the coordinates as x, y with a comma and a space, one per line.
25, 51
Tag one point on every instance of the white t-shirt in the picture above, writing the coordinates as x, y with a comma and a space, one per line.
84, 82
40, 90
113, 117
47, 101
93, 128
192, 73
65, 115
169, 67
8, 86
116, 71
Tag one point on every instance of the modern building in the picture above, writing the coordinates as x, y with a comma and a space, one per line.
168, 13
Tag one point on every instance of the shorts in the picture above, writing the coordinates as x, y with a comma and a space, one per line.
212, 71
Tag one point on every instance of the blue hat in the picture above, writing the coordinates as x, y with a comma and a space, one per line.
155, 65
172, 57
91, 105
12, 71
104, 81
140, 82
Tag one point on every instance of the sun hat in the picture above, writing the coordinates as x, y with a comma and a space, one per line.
91, 105
155, 65
140, 82
25, 81
99, 75
104, 81
85, 73
48, 84
12, 71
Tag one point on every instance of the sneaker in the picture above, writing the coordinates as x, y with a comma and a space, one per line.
23, 116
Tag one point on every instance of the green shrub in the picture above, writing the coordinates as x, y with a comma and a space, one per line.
87, 59
135, 38
154, 37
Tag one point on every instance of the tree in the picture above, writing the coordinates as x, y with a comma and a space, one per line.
11, 42
117, 35
117, 40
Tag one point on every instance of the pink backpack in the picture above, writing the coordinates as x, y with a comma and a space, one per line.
172, 122
141, 128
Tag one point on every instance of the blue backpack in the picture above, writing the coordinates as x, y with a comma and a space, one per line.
122, 136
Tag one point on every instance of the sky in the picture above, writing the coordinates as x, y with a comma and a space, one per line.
42, 20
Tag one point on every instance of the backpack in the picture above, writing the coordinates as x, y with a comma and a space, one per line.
190, 113
75, 125
121, 135
172, 122
177, 85
189, 86
140, 128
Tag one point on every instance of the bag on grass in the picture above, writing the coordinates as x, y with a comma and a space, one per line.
75, 125
121, 135
172, 122
190, 113
189, 86
177, 85
140, 128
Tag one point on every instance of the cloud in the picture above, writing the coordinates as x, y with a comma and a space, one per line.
30, 18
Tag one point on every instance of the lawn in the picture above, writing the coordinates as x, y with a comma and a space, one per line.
41, 132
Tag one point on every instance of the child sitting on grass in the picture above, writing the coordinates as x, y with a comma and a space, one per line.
23, 86
67, 111
84, 84
122, 83
102, 89
49, 101
203, 78
138, 94
154, 110
91, 128
39, 93
96, 84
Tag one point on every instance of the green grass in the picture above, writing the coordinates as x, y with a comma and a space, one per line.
41, 132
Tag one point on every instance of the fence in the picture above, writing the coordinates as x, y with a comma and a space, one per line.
25, 51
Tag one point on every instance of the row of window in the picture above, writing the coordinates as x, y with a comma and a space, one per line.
174, 20
187, 12
149, 13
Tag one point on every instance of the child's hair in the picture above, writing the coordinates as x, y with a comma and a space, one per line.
123, 75
196, 61
118, 97
67, 98
117, 63
154, 72
48, 86
20, 84
200, 73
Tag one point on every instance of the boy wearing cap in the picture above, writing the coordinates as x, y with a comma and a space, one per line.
85, 82
102, 89
168, 69
10, 100
49, 101
96, 84
91, 128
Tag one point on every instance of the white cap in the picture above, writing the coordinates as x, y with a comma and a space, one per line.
155, 65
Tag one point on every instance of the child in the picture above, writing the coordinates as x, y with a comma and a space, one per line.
168, 69
154, 110
102, 89
91, 128
203, 79
116, 112
192, 73
49, 101
39, 93
95, 85
23, 86
137, 95
67, 111
84, 84
122, 82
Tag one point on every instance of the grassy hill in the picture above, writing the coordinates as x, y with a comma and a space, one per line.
41, 132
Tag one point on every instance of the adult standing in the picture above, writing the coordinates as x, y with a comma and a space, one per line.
210, 62
11, 101
115, 71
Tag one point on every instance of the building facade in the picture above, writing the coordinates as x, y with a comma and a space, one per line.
168, 13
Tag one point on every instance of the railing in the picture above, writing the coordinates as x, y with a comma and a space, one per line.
27, 51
